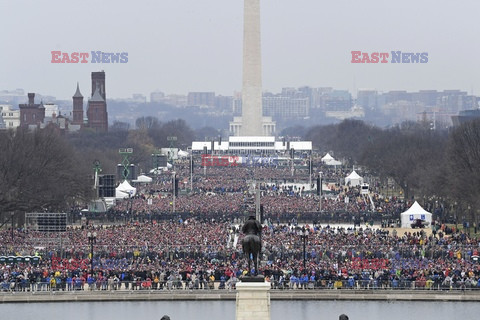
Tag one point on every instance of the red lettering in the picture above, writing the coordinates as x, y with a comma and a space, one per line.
65, 58
206, 160
365, 58
355, 56
75, 57
55, 55
84, 55
384, 56
215, 162
375, 57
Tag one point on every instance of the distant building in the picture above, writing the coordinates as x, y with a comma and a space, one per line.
139, 98
336, 100
97, 106
77, 108
367, 99
224, 103
12, 97
97, 113
260, 145
51, 110
285, 107
354, 113
427, 97
398, 95
157, 96
177, 100
98, 81
31, 113
201, 99
9, 118
465, 116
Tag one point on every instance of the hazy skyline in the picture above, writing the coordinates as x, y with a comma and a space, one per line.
179, 46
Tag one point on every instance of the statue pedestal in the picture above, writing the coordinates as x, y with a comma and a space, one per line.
253, 301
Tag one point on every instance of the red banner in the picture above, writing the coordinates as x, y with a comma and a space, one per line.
69, 264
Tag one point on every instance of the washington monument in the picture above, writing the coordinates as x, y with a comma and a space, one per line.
252, 71
252, 123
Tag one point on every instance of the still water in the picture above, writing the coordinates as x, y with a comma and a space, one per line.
225, 310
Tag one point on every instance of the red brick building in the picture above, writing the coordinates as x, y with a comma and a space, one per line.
31, 113
97, 105
77, 108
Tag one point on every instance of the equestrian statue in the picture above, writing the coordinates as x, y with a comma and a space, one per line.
252, 244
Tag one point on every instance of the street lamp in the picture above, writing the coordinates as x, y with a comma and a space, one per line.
92, 239
13, 214
320, 186
174, 177
303, 234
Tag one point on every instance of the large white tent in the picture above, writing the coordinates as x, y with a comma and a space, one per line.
415, 212
353, 179
124, 190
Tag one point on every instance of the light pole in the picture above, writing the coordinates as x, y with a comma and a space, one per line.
310, 171
320, 186
173, 189
13, 214
191, 171
303, 234
92, 239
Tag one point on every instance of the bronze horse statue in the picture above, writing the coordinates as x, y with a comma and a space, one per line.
251, 243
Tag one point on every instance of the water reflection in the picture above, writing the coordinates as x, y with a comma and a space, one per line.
225, 310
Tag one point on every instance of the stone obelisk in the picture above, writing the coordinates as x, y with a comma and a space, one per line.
252, 71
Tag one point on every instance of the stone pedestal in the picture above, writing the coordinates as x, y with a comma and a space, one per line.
253, 301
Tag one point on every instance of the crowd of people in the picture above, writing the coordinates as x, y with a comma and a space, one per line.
285, 194
196, 254
199, 245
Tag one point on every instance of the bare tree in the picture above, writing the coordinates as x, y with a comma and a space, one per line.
38, 171
147, 123
464, 164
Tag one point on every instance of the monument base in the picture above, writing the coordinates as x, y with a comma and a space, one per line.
253, 301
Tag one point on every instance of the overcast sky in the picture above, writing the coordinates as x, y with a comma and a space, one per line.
178, 46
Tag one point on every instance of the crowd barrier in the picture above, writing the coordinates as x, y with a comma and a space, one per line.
142, 285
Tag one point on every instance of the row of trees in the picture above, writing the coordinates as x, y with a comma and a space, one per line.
39, 171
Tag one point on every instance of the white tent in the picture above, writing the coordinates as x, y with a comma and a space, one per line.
327, 158
333, 163
415, 212
143, 179
353, 179
124, 190
330, 161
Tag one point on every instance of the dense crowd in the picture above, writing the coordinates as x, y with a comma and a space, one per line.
285, 194
199, 243
191, 253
